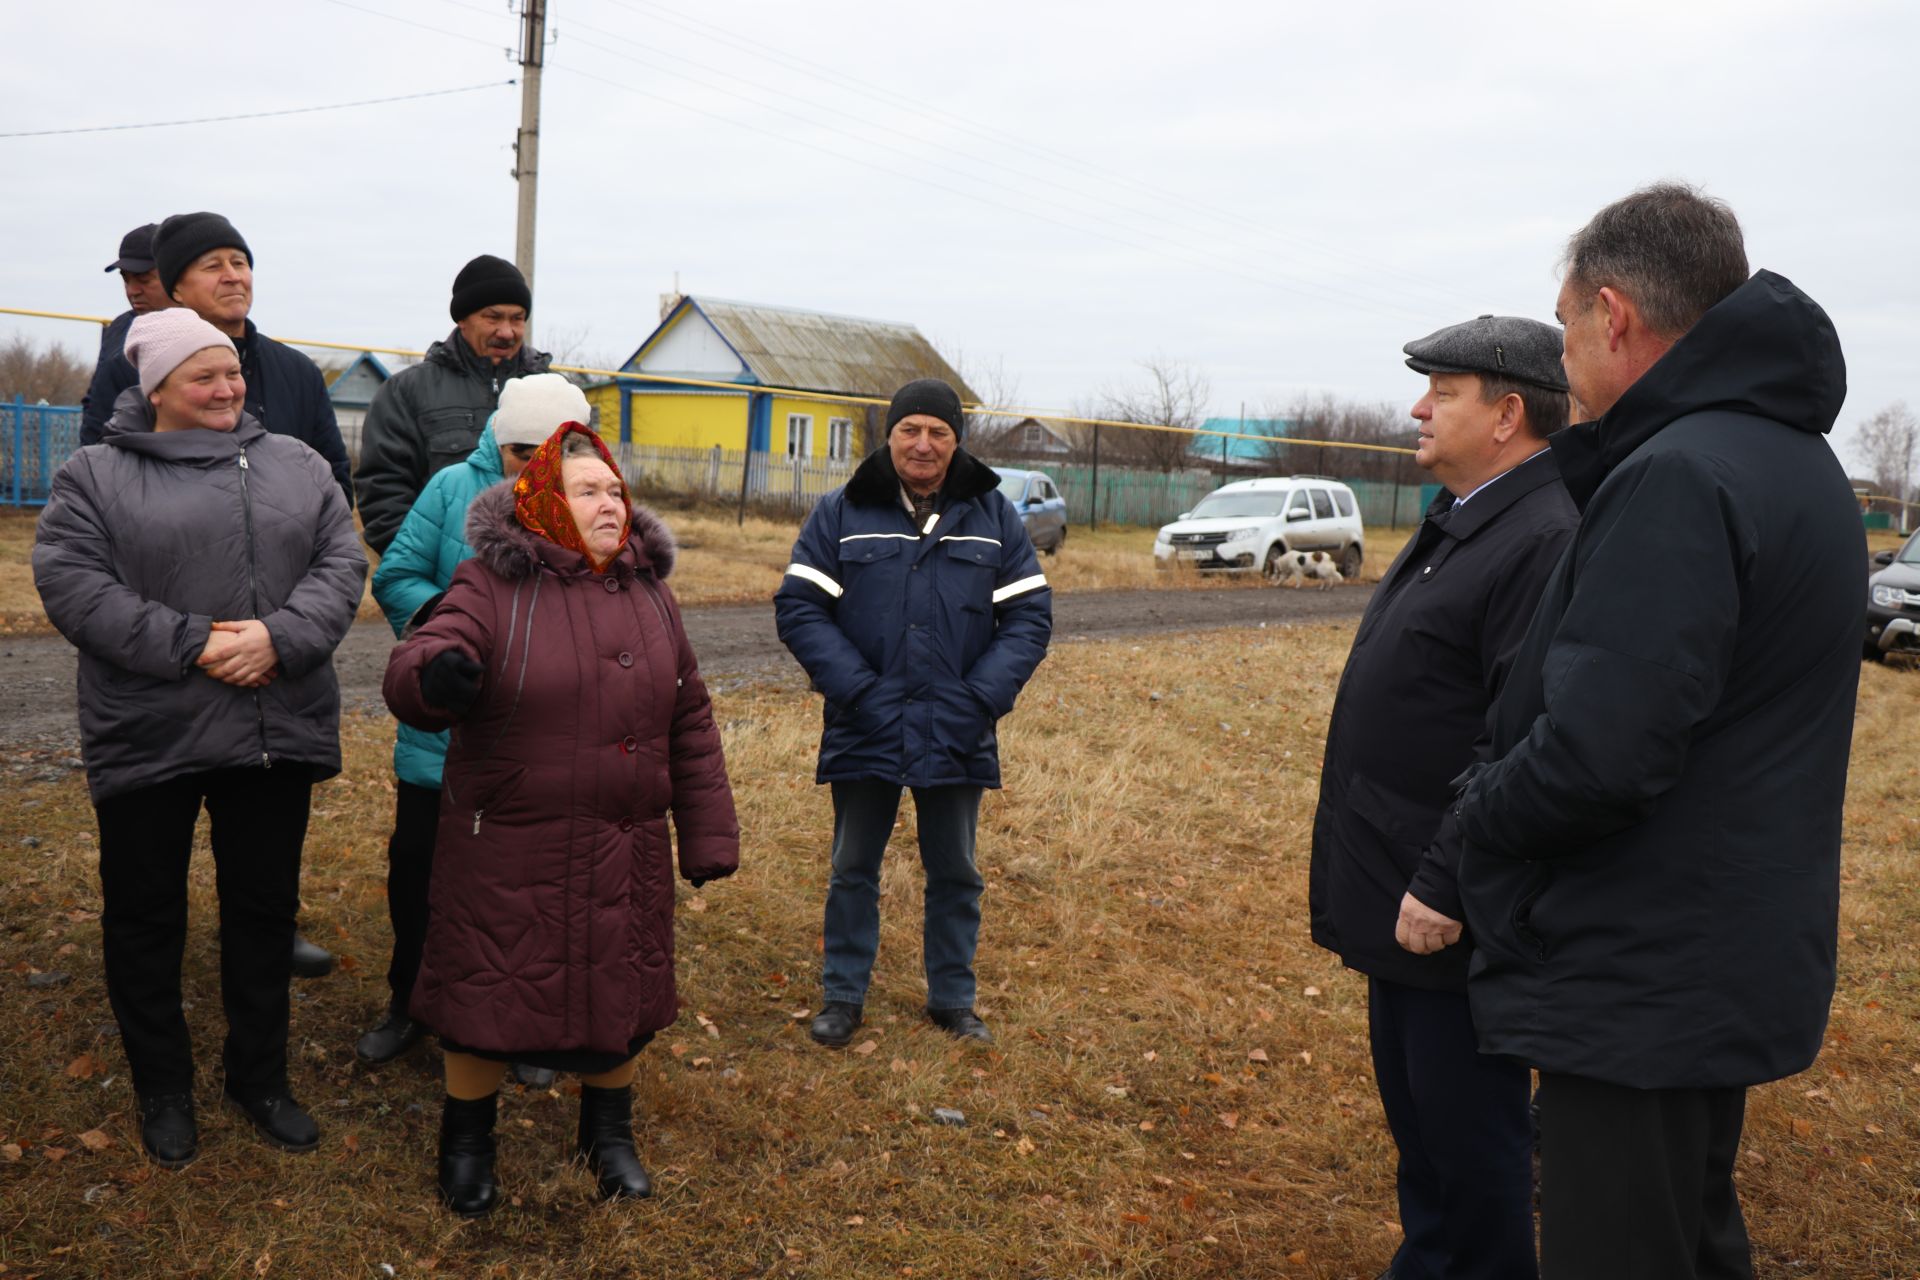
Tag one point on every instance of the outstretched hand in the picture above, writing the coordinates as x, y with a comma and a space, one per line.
240, 654
451, 681
1422, 930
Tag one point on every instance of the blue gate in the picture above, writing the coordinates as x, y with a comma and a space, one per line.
34, 440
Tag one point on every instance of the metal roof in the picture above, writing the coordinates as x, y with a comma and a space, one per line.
813, 351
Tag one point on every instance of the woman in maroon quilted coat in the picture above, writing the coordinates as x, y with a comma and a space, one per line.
579, 720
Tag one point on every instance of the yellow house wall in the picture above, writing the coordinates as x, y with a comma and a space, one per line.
676, 421
823, 411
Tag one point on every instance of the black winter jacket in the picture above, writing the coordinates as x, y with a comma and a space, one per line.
1652, 859
286, 394
1430, 656
107, 384
919, 638
425, 418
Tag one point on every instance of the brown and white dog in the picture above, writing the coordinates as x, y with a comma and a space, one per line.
1317, 566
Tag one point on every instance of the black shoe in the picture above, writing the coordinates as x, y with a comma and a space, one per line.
534, 1077
396, 1034
279, 1119
606, 1143
167, 1130
835, 1024
309, 960
466, 1155
961, 1024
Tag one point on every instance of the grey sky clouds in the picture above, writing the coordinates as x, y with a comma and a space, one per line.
1278, 194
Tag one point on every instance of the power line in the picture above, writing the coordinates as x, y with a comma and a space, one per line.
1093, 204
257, 115
409, 22
1313, 292
899, 102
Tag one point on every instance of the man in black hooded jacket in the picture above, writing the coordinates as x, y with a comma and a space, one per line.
1651, 871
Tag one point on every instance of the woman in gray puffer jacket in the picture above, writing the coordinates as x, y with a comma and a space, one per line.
206, 570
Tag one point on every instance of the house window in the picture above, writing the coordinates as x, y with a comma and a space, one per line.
799, 435
1036, 436
839, 439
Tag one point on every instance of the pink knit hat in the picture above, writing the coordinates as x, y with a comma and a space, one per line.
161, 341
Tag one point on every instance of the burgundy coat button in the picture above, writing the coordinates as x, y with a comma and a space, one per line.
611, 584
626, 659
630, 745
626, 824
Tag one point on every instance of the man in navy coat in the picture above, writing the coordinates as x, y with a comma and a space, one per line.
916, 604
1432, 653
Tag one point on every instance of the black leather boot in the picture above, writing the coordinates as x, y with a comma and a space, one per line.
168, 1131
466, 1155
606, 1143
310, 960
396, 1034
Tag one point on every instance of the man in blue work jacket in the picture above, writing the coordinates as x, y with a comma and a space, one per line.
917, 606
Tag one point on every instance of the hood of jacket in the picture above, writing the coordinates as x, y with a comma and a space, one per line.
513, 551
1766, 350
485, 457
452, 352
131, 428
876, 484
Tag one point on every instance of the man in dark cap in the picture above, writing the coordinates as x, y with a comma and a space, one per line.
1651, 862
430, 415
142, 284
1429, 657
204, 263
916, 604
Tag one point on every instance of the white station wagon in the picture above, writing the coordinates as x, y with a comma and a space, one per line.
1254, 524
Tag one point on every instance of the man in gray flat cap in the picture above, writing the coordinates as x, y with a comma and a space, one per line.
1428, 660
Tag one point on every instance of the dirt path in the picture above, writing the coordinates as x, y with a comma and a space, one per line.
733, 641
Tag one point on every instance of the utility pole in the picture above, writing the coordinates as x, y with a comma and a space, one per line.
526, 144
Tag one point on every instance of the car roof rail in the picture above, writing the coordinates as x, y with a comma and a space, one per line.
1310, 476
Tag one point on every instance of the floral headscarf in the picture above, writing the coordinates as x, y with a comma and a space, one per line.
540, 497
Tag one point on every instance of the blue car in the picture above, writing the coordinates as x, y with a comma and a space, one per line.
1042, 509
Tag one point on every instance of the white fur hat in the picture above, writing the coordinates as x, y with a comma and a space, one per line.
532, 408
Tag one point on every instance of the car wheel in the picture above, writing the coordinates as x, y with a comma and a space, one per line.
1271, 565
1873, 652
1059, 542
1352, 560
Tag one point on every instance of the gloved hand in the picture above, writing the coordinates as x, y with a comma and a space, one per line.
702, 881
451, 682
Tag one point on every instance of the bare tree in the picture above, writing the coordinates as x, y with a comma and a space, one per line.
1168, 394
1888, 444
53, 374
996, 388
1320, 416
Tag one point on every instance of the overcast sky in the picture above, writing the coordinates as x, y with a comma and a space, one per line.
1278, 194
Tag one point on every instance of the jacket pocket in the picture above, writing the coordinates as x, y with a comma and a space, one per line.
1524, 929
450, 434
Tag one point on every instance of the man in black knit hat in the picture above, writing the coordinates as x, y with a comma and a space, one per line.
431, 415
204, 263
916, 605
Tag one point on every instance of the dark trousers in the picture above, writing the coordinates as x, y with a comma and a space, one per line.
416, 821
863, 814
1460, 1119
1637, 1184
259, 821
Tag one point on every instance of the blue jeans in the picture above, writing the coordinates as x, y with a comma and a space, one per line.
863, 814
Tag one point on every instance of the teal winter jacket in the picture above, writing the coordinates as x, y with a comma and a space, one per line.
419, 565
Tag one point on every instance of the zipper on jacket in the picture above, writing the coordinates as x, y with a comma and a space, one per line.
476, 820
253, 587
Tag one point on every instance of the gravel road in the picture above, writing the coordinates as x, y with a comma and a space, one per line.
734, 642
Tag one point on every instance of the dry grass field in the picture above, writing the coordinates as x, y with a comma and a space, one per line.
725, 562
1180, 1087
